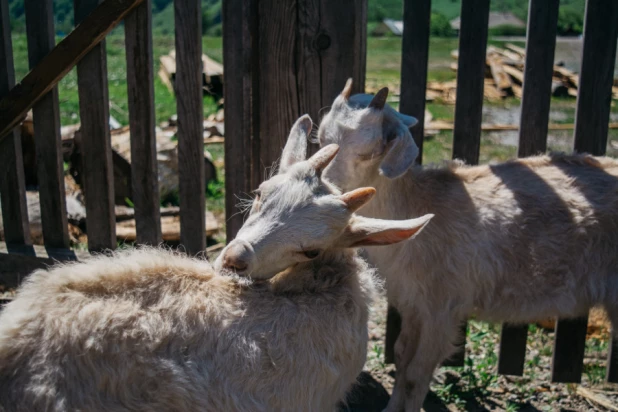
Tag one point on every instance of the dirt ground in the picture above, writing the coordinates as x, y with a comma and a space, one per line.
476, 387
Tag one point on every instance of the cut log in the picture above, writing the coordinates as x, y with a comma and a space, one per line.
519, 50
501, 78
517, 75
491, 92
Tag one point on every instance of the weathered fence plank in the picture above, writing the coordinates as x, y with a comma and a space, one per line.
414, 58
569, 347
140, 84
188, 17
283, 60
469, 103
55, 65
538, 71
12, 181
470, 80
239, 54
591, 126
596, 76
96, 149
46, 116
512, 349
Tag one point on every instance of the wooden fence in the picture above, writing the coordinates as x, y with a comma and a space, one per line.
282, 59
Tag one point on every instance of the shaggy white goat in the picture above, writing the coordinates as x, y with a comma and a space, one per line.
151, 330
513, 242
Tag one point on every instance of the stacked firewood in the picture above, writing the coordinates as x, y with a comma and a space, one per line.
504, 77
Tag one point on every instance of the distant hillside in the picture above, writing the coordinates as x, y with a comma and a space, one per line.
571, 13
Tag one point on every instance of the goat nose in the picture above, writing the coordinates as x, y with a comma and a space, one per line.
237, 256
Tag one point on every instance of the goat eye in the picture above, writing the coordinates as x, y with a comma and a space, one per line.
312, 254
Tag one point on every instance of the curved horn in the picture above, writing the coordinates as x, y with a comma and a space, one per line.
357, 198
379, 100
323, 157
347, 90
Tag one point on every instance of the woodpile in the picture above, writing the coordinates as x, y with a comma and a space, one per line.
212, 74
504, 77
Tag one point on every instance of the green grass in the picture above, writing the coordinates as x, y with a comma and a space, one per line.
165, 102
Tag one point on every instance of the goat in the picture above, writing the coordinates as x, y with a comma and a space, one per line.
151, 330
511, 242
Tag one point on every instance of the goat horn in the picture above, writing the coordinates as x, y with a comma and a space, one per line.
323, 157
379, 100
347, 90
355, 199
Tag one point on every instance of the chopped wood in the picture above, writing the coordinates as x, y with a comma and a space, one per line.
518, 91
501, 78
519, 50
516, 74
505, 72
596, 398
212, 73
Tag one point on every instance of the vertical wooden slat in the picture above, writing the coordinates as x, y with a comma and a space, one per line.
591, 125
40, 31
470, 84
470, 80
12, 182
140, 83
512, 349
239, 56
414, 57
393, 329
569, 348
596, 76
98, 179
538, 71
188, 19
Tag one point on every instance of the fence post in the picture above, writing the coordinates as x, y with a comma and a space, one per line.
12, 181
282, 59
96, 149
189, 98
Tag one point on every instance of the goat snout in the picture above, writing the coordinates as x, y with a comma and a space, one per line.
237, 256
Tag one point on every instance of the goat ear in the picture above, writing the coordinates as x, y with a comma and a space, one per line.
323, 157
347, 90
357, 198
295, 149
379, 100
364, 231
401, 149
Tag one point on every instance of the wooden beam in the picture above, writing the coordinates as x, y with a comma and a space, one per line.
54, 66
189, 99
569, 347
47, 138
12, 180
470, 80
414, 60
140, 81
96, 147
596, 76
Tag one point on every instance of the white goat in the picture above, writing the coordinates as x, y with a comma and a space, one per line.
513, 242
150, 330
